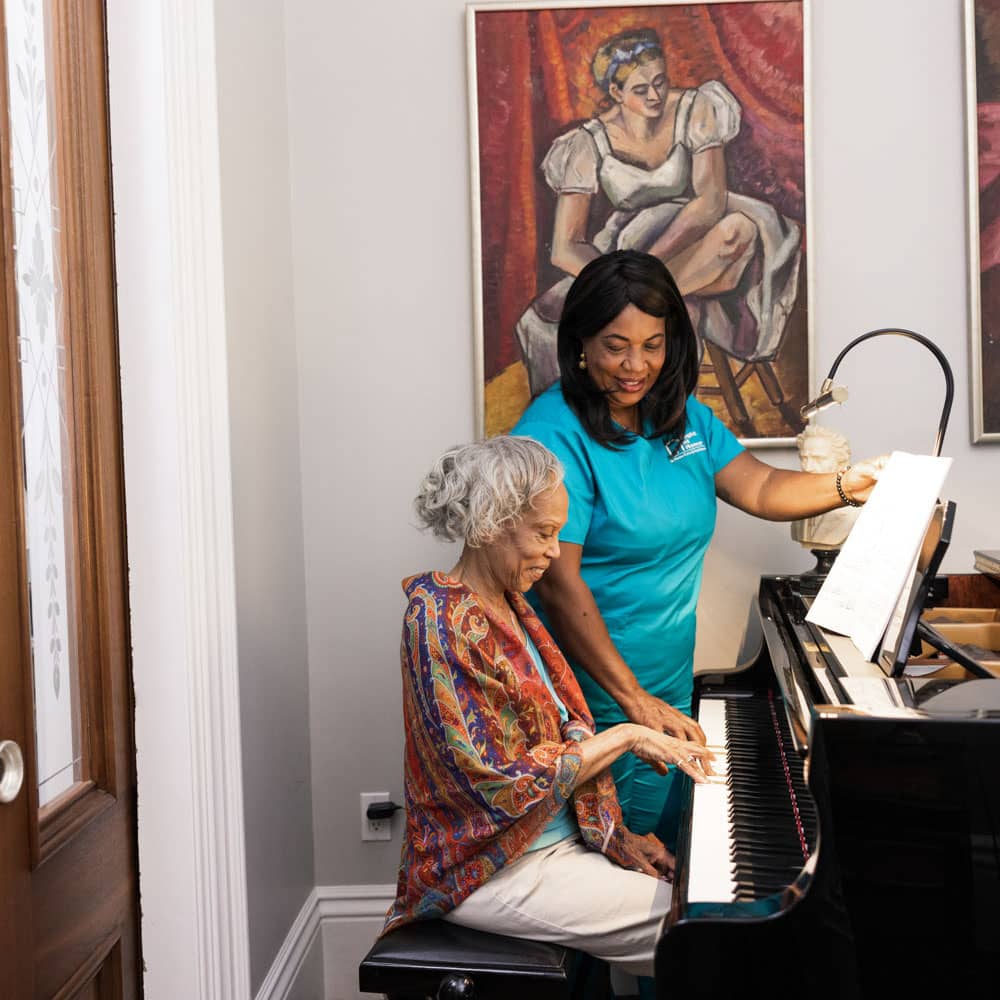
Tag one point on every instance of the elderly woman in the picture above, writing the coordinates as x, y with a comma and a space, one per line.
512, 821
644, 463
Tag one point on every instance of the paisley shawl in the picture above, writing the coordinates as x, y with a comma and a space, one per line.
487, 761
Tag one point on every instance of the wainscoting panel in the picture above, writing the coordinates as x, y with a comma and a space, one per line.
334, 929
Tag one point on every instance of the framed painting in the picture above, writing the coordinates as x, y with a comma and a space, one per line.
677, 129
982, 43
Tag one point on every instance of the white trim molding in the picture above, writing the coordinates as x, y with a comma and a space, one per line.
353, 902
198, 300
281, 977
326, 905
172, 338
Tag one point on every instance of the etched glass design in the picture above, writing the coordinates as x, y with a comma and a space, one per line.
45, 434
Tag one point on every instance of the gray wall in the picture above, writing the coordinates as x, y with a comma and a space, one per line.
382, 265
382, 294
263, 397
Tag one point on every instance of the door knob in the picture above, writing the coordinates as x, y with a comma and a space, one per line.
11, 770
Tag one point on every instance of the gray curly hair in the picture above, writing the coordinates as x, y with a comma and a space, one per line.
474, 492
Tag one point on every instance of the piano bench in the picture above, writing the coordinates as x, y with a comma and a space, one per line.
441, 960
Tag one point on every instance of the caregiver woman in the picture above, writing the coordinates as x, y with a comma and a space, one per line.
644, 463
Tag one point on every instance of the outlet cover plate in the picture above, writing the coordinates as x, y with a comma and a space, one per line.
374, 829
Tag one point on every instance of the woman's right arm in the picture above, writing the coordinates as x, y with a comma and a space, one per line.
601, 751
570, 249
583, 635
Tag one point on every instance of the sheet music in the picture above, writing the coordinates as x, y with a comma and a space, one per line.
860, 593
898, 616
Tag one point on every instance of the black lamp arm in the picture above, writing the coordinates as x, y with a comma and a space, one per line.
949, 380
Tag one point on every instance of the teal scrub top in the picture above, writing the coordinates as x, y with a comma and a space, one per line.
564, 823
644, 517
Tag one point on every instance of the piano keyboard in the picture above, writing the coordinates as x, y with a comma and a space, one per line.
754, 826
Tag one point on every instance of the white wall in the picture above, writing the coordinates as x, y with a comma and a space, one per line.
381, 235
380, 226
264, 438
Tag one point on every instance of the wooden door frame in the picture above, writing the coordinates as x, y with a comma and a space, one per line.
172, 341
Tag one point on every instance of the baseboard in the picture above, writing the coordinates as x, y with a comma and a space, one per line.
280, 978
328, 909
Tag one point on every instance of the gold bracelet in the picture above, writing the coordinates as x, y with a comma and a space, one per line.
840, 487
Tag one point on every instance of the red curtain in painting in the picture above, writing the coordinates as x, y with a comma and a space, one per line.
533, 72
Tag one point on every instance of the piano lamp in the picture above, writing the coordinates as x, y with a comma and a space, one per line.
830, 393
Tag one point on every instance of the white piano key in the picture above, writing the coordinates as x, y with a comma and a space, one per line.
712, 719
709, 864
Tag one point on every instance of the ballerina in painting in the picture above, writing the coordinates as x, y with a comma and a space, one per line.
658, 155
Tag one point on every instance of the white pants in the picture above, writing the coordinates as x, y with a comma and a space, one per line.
566, 894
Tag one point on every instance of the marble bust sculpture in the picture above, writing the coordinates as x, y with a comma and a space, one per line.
824, 450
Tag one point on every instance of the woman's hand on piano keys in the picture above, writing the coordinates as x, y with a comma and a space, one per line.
660, 750
646, 709
651, 857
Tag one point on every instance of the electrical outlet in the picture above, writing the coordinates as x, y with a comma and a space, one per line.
374, 829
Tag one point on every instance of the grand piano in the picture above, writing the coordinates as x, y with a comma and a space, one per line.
851, 845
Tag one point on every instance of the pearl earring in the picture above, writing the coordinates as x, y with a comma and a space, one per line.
583, 360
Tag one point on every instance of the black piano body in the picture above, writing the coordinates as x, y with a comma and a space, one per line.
900, 895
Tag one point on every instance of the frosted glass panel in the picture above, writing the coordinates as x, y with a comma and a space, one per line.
45, 435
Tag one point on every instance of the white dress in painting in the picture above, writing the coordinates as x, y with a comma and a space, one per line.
748, 322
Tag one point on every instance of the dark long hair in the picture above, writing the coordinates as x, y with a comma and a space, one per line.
598, 295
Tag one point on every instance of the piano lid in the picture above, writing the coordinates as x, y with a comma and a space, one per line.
822, 673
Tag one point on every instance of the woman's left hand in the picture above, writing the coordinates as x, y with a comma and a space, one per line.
652, 858
859, 480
